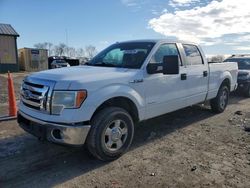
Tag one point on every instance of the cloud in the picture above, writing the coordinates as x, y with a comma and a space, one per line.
207, 23
182, 3
129, 3
244, 38
242, 48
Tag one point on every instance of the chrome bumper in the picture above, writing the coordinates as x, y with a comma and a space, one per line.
58, 133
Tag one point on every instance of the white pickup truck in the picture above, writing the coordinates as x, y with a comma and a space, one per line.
99, 103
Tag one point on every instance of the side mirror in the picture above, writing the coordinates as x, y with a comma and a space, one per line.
171, 64
153, 68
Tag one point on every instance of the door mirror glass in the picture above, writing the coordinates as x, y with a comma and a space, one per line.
153, 68
171, 64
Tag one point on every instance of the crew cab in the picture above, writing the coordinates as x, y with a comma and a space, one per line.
243, 61
97, 104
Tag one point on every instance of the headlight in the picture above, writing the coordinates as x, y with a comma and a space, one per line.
67, 99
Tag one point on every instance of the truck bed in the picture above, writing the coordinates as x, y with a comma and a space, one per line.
217, 71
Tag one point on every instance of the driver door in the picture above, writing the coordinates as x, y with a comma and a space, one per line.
165, 93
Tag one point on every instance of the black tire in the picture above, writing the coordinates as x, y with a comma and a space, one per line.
99, 144
247, 92
219, 103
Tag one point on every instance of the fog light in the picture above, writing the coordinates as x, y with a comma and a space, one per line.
56, 133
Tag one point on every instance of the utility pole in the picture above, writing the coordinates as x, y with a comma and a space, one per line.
67, 41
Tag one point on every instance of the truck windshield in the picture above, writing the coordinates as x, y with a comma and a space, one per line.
126, 55
243, 63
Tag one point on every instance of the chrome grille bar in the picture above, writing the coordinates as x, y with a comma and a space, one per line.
36, 93
37, 105
31, 88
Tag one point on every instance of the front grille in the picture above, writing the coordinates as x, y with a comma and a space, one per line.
36, 94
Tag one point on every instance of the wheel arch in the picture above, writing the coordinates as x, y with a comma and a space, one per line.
227, 83
122, 102
226, 79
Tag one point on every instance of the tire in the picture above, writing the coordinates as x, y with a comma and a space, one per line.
247, 92
111, 134
219, 103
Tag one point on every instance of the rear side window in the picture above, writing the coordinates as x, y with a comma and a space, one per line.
192, 54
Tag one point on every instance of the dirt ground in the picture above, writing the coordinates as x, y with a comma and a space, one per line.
188, 148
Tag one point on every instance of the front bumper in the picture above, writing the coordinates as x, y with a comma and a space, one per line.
58, 133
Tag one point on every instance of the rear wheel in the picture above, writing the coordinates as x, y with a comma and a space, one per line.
111, 133
219, 103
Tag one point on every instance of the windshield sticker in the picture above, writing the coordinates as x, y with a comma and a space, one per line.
130, 51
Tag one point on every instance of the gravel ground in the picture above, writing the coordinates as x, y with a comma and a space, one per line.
188, 148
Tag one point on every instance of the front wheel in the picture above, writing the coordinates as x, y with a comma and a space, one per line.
111, 133
219, 103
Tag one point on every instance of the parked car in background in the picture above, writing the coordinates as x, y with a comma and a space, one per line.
128, 82
59, 63
244, 72
71, 61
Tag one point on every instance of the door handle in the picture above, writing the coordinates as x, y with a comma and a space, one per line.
204, 73
183, 76
136, 81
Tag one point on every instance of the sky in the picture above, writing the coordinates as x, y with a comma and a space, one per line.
219, 26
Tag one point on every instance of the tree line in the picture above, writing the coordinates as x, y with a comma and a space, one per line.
62, 49
216, 58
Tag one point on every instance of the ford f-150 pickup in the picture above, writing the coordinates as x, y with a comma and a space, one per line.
97, 104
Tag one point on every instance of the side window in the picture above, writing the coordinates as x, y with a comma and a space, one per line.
163, 50
192, 54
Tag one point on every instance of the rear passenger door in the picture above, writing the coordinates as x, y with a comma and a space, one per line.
197, 74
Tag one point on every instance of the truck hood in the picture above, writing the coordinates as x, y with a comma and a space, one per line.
85, 76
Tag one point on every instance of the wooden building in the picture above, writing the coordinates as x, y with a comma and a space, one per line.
33, 60
8, 49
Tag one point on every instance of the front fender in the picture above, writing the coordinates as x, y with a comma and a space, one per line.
96, 98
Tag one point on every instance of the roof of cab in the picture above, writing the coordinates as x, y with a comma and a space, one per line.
159, 41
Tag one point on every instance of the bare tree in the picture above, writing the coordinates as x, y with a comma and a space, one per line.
90, 51
218, 58
40, 45
60, 49
45, 45
80, 52
71, 52
49, 48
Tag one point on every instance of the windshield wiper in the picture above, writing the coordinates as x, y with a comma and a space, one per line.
89, 64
